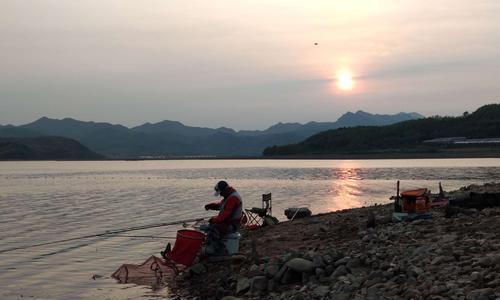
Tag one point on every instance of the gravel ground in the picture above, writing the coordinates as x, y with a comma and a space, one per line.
361, 254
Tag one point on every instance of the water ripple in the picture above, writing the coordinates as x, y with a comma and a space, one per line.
47, 201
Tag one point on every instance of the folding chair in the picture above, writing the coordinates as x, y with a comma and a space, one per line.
256, 215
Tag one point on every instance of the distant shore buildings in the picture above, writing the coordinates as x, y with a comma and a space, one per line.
460, 140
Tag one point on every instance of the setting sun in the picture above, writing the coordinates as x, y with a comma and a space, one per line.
344, 80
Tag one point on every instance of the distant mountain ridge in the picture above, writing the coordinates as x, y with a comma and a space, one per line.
13, 131
399, 137
176, 128
172, 138
349, 119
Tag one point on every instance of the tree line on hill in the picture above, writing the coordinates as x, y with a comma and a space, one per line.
44, 148
407, 136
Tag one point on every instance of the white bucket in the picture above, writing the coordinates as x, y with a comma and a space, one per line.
232, 242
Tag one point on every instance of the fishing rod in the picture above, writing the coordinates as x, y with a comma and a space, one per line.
145, 236
106, 233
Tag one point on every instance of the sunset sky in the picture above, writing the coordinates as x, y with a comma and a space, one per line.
245, 64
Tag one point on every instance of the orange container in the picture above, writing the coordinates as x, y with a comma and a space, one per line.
421, 204
415, 201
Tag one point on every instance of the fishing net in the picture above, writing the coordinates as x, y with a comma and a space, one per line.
154, 270
151, 272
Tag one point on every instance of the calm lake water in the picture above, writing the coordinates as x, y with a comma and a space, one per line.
47, 201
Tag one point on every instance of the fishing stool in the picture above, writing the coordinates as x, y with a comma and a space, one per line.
256, 215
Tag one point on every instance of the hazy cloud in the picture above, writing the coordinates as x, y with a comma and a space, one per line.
130, 61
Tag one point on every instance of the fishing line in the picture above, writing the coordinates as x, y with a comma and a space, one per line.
106, 233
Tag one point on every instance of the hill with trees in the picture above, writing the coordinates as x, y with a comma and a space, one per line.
44, 148
407, 136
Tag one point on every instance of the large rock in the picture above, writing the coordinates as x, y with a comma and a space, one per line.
271, 285
415, 271
442, 259
476, 276
341, 296
198, 269
480, 294
353, 263
374, 291
448, 238
318, 262
243, 285
300, 265
374, 278
321, 291
259, 284
343, 261
291, 276
485, 262
329, 270
340, 271
279, 275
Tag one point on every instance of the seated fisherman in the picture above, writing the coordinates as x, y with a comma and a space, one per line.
227, 221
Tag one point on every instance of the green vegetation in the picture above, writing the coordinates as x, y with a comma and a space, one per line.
402, 137
42, 148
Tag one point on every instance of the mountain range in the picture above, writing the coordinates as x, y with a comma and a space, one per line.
172, 138
404, 137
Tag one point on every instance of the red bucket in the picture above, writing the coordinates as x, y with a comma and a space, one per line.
187, 246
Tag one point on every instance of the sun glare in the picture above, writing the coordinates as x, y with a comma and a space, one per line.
344, 80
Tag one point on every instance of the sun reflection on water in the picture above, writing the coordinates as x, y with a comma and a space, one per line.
346, 189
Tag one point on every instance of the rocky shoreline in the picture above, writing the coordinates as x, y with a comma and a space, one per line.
360, 254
